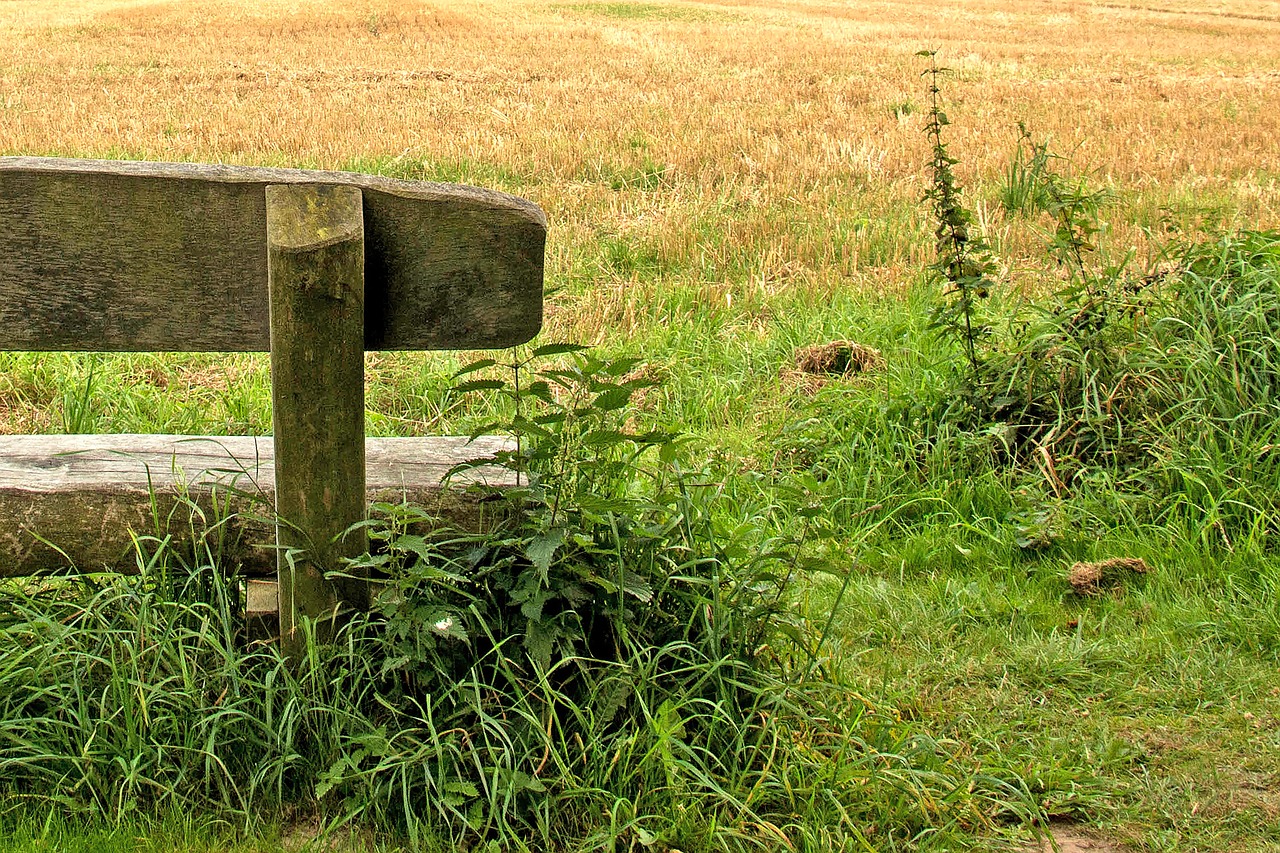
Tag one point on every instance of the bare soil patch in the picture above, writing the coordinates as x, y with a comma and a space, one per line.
1066, 838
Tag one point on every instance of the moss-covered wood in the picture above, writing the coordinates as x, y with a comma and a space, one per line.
315, 273
124, 256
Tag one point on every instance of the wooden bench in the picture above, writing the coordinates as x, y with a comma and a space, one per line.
315, 267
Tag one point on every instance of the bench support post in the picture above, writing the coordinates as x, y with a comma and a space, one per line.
315, 275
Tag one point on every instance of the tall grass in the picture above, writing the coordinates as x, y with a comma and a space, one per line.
135, 698
623, 663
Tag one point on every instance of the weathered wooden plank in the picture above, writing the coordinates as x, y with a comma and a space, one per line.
85, 494
315, 278
132, 256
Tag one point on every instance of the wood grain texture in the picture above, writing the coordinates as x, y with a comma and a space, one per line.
73, 500
132, 256
315, 279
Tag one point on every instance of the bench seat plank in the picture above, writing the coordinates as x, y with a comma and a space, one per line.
85, 493
149, 257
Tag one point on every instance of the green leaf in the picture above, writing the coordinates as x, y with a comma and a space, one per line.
539, 642
531, 608
636, 586
459, 786
416, 544
557, 349
620, 366
603, 438
667, 723
480, 364
612, 399
523, 425
540, 390
541, 550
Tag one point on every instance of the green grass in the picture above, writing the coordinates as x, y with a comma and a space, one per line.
1150, 712
29, 830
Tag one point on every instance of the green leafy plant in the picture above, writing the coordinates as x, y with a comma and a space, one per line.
1115, 373
1024, 191
963, 264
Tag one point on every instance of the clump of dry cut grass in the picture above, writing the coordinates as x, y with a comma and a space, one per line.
1092, 578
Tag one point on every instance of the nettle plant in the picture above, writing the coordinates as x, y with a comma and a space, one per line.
611, 608
574, 565
1057, 380
963, 260
606, 545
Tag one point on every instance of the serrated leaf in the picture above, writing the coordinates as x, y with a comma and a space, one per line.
416, 544
612, 399
603, 438
571, 373
472, 464
541, 550
474, 366
620, 366
636, 586
541, 390
655, 436
458, 786
538, 642
669, 452
531, 608
557, 349
521, 424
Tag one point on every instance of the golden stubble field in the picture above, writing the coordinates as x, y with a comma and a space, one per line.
773, 140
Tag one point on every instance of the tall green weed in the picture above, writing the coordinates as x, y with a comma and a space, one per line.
1162, 380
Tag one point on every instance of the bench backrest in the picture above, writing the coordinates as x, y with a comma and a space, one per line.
130, 256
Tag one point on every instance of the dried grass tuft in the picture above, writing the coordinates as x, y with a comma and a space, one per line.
818, 364
1093, 578
838, 358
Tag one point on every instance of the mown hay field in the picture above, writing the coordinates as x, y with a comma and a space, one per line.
757, 146
721, 169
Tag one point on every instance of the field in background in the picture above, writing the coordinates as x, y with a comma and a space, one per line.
753, 149
724, 183
706, 168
